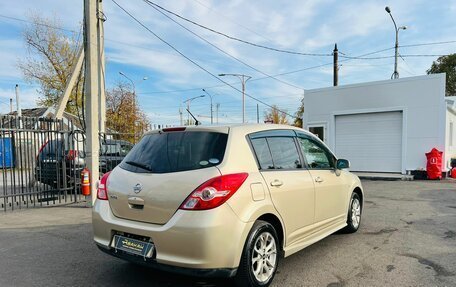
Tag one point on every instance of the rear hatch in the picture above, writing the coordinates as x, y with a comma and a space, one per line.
162, 170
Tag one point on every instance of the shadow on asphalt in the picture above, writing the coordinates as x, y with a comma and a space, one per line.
127, 273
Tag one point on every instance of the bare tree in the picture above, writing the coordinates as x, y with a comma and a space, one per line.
52, 54
298, 122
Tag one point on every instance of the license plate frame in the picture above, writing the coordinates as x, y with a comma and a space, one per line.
133, 246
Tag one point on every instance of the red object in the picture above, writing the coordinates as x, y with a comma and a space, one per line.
176, 129
434, 164
453, 172
85, 182
102, 189
72, 154
214, 192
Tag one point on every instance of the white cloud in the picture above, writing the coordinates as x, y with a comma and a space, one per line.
12, 50
311, 26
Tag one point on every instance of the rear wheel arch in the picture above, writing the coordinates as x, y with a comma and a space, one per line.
277, 224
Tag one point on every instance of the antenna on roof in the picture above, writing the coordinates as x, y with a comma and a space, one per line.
197, 123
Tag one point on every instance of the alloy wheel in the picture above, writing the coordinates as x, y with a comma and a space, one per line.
264, 257
355, 212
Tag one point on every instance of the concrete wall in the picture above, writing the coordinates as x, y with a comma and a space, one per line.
421, 100
450, 136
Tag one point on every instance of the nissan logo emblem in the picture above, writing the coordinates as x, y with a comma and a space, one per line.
137, 188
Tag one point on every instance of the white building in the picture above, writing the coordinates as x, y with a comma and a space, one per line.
385, 126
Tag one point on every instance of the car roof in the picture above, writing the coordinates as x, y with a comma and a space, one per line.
240, 128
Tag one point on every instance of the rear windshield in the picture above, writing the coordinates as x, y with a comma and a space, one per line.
176, 151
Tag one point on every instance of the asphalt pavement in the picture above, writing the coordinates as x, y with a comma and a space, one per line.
407, 238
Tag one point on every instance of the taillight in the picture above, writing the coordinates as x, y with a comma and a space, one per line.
175, 129
102, 188
214, 192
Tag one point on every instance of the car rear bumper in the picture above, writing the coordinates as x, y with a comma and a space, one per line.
209, 243
214, 273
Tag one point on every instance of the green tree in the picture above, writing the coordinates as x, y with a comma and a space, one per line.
446, 64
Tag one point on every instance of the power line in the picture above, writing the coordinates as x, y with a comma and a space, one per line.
424, 55
245, 27
237, 39
276, 75
39, 24
409, 69
389, 57
224, 52
428, 44
192, 61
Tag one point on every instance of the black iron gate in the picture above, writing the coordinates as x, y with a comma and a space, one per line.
40, 162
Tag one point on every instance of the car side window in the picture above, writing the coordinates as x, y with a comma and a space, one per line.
316, 155
262, 152
284, 152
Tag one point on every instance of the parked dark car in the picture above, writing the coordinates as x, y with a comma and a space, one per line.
112, 152
59, 162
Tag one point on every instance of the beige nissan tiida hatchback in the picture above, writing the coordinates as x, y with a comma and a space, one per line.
224, 201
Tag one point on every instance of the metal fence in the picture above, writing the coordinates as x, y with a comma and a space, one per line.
40, 162
114, 147
41, 159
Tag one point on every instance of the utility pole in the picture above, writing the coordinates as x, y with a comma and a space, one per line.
188, 101
18, 107
243, 99
92, 10
18, 102
336, 66
11, 105
101, 18
61, 105
395, 74
188, 114
217, 106
244, 79
210, 96
258, 114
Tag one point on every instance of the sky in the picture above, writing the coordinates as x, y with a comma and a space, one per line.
306, 26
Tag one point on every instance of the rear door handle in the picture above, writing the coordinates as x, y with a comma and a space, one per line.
319, 179
276, 182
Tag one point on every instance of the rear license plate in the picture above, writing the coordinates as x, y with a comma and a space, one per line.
133, 246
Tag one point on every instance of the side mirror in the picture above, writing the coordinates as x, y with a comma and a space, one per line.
342, 164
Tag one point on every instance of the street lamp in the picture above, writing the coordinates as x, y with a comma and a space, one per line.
211, 105
131, 81
134, 93
244, 80
395, 74
134, 86
188, 101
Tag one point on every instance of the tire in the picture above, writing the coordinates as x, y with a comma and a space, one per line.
262, 235
354, 214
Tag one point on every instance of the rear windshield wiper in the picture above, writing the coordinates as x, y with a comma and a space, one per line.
141, 165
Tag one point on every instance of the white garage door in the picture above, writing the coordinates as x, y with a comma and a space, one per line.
371, 142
